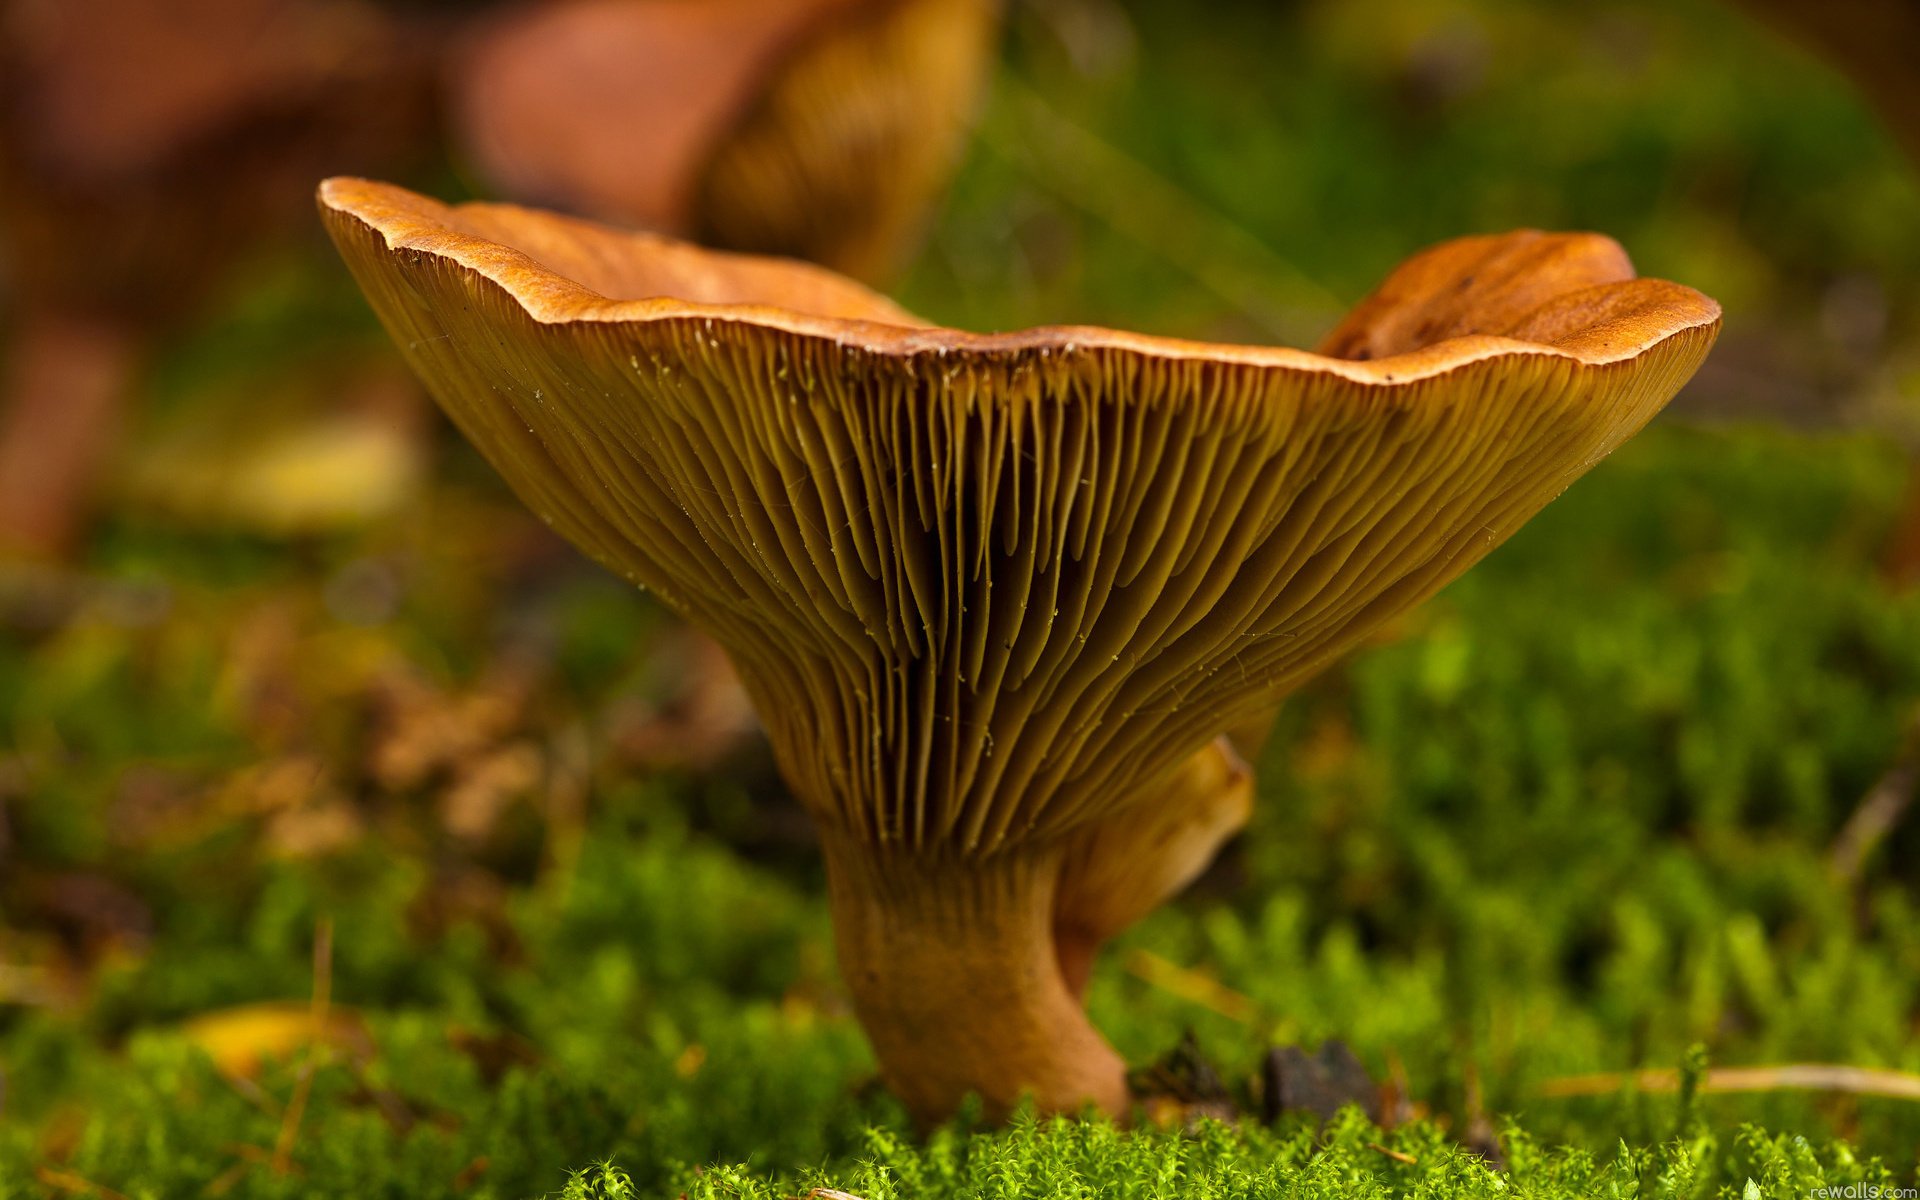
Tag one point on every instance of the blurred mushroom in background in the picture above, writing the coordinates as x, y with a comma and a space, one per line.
815, 129
1874, 43
144, 150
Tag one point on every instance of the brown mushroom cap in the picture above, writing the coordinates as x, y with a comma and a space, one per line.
989, 591
816, 128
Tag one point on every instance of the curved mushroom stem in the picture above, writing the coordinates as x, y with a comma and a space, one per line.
1129, 865
954, 975
65, 385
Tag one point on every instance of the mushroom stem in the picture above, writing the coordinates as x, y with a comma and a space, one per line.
955, 976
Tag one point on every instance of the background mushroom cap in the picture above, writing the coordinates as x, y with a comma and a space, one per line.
609, 106
145, 147
983, 587
818, 128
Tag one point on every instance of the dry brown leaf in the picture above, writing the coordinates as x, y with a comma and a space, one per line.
424, 730
472, 806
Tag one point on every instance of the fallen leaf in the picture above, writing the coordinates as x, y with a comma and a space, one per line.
242, 1039
482, 790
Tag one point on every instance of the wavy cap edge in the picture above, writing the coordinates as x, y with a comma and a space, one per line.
1630, 316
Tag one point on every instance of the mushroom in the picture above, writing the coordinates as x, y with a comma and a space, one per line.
820, 129
992, 594
1872, 41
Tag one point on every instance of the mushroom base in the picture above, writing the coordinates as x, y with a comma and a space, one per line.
956, 978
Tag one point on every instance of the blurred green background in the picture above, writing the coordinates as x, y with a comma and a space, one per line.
1582, 812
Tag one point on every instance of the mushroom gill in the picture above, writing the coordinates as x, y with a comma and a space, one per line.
993, 594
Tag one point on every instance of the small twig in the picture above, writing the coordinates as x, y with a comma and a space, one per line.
1881, 809
11, 772
226, 1180
1809, 1077
1396, 1093
250, 1156
254, 1094
569, 777
1395, 1155
67, 1181
303, 1086
1191, 985
471, 1173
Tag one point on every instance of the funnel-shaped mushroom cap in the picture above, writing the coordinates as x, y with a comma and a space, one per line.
979, 583
989, 592
816, 128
